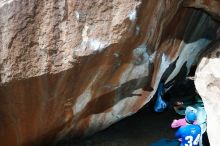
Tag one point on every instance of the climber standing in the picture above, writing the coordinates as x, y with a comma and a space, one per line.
201, 121
189, 135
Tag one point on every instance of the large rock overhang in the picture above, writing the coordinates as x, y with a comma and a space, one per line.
76, 67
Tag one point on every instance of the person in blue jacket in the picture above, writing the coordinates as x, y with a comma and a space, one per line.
160, 104
189, 135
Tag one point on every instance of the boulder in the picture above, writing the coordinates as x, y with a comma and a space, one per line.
76, 67
207, 81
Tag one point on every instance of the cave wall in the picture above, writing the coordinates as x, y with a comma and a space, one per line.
76, 67
207, 81
210, 6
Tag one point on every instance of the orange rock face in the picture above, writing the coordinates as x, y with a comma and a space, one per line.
76, 67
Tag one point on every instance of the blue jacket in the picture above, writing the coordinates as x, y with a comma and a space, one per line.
189, 134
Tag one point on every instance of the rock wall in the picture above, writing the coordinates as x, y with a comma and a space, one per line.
207, 82
207, 77
210, 6
76, 67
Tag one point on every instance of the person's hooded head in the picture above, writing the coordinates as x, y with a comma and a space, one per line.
190, 109
190, 117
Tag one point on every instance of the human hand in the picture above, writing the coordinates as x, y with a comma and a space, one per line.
174, 124
179, 103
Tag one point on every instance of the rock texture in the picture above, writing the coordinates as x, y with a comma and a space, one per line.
75, 67
208, 85
211, 6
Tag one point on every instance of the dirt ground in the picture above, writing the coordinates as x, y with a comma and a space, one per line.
140, 129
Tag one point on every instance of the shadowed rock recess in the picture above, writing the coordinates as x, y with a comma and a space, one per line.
77, 66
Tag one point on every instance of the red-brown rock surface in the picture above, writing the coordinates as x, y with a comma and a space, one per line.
78, 66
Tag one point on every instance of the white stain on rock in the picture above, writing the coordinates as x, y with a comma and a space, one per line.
90, 44
77, 15
5, 2
137, 30
85, 33
152, 57
133, 15
85, 97
6, 72
140, 54
140, 66
96, 45
82, 100
116, 55
165, 62
118, 112
188, 54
